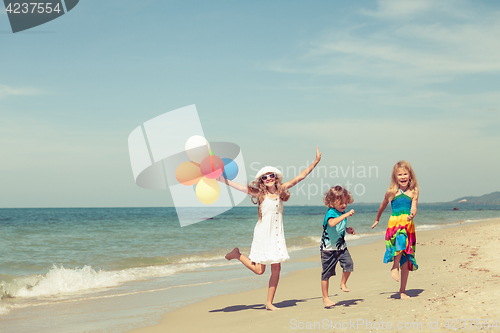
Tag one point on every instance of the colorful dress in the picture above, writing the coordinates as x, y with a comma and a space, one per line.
400, 235
268, 245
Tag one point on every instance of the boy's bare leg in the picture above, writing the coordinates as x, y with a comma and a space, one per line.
273, 284
343, 281
258, 269
405, 272
395, 267
324, 289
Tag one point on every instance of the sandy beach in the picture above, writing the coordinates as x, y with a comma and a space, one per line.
457, 286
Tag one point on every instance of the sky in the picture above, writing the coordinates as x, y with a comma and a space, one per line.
368, 82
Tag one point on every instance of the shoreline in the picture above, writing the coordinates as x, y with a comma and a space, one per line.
139, 305
456, 280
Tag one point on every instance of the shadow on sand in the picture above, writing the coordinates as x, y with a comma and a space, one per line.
349, 302
410, 292
284, 304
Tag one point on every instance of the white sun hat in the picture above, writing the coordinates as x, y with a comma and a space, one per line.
268, 169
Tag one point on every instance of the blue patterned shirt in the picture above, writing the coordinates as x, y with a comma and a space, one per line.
333, 238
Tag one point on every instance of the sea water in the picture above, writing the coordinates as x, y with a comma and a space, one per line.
113, 269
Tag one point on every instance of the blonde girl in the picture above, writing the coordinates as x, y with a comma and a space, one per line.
400, 236
268, 245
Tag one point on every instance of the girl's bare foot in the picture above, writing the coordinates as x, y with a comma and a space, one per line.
403, 296
270, 307
234, 254
328, 303
344, 288
394, 274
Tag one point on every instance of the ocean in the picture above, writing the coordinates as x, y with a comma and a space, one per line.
114, 269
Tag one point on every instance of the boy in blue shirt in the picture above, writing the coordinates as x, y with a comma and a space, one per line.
333, 247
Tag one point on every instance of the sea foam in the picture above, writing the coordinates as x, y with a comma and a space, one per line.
60, 280
3, 310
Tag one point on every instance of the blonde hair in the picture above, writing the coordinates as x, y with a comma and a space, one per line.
337, 194
412, 182
258, 185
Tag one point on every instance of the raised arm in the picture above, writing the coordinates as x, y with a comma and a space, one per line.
304, 173
414, 203
238, 186
381, 209
333, 221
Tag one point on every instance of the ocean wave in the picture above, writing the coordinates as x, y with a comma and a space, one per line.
10, 284
352, 237
201, 257
136, 262
3, 310
428, 227
60, 281
424, 227
303, 242
481, 220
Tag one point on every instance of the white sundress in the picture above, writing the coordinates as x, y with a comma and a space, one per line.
268, 245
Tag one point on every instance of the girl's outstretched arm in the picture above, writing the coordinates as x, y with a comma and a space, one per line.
237, 186
414, 203
304, 173
381, 209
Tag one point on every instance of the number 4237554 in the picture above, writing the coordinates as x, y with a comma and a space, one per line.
456, 324
32, 7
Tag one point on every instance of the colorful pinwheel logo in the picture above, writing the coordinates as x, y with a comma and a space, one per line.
170, 152
203, 169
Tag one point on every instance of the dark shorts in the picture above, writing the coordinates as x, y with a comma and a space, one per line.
330, 258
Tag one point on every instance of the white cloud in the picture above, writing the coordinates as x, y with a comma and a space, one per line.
26, 143
54, 165
449, 154
413, 51
424, 99
430, 138
17, 91
399, 8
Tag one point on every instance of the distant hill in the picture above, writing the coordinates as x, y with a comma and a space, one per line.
487, 199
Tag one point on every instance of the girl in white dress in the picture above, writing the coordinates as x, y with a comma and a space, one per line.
268, 245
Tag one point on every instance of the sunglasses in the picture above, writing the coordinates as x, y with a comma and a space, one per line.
270, 176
